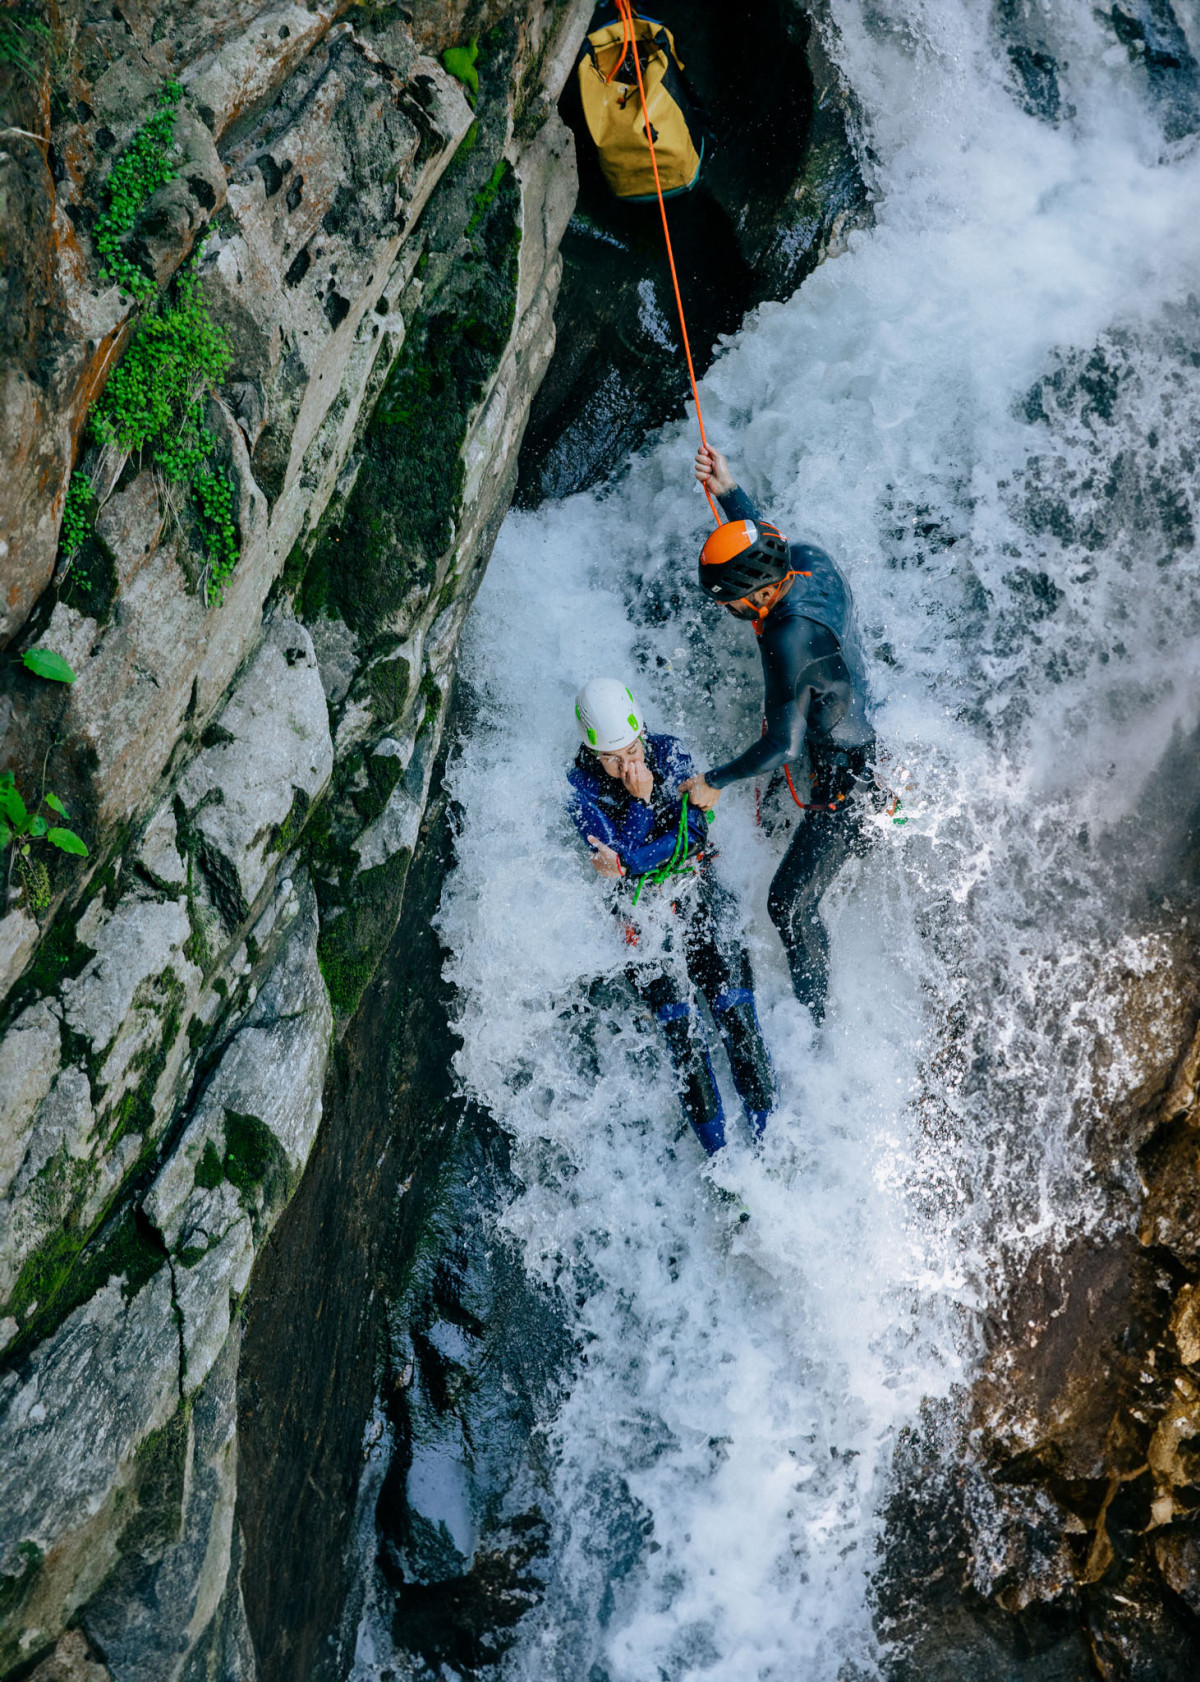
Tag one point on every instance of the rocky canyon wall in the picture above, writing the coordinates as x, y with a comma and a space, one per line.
377, 241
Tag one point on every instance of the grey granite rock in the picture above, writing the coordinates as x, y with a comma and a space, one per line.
30, 1055
136, 944
274, 749
178, 1564
219, 1193
158, 854
70, 1426
195, 1019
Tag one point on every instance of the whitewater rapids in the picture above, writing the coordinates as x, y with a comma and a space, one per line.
983, 409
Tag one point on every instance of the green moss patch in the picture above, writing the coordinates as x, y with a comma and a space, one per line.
210, 1170
460, 63
161, 1474
288, 833
135, 1111
389, 682
68, 1270
91, 586
61, 955
350, 947
256, 1164
15, 1590
402, 512
384, 771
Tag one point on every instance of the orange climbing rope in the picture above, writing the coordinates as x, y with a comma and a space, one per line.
804, 805
626, 37
626, 11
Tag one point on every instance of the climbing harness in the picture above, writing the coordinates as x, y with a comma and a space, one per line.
804, 805
626, 13
811, 805
677, 864
892, 810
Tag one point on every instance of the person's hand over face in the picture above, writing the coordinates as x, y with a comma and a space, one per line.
628, 767
639, 779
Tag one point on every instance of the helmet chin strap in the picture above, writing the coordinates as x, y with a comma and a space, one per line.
759, 614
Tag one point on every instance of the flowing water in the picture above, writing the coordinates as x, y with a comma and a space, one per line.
986, 410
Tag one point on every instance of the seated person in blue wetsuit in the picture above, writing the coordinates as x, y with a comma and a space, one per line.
626, 805
815, 710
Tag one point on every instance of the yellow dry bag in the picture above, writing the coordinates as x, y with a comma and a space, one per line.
612, 108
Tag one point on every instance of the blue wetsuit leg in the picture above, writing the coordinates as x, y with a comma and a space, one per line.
720, 967
684, 1034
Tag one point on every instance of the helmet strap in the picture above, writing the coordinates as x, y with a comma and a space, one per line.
760, 613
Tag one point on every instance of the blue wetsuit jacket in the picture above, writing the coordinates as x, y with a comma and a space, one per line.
643, 834
814, 687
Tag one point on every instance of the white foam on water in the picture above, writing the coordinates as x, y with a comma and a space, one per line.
722, 1453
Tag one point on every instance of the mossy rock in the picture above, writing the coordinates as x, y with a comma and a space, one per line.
402, 513
350, 947
71, 1266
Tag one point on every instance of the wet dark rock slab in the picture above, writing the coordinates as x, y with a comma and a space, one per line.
386, 1290
314, 1314
1046, 1525
475, 1359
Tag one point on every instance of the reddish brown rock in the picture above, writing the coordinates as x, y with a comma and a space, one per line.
1068, 1358
1171, 1214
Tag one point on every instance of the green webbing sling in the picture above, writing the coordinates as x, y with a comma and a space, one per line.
677, 864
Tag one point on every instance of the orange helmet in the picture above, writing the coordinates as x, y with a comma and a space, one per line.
740, 557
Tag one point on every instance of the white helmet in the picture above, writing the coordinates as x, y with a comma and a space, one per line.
608, 715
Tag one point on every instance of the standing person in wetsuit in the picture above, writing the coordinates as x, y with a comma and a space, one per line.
626, 805
815, 705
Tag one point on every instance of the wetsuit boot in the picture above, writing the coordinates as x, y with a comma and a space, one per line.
750, 1061
698, 1090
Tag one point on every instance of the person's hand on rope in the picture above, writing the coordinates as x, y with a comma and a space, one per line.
701, 792
605, 860
712, 470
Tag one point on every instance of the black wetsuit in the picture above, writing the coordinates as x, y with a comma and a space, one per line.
815, 704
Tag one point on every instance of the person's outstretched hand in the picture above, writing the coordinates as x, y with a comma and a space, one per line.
606, 861
701, 793
712, 470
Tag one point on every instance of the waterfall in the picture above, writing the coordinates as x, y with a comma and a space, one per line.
986, 410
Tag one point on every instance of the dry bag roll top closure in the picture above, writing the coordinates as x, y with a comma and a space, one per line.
613, 110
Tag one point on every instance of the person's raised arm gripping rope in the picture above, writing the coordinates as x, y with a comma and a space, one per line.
814, 705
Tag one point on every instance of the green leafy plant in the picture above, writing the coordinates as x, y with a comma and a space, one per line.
212, 490
44, 662
24, 42
155, 397
460, 62
145, 165
80, 499
486, 195
154, 406
22, 829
